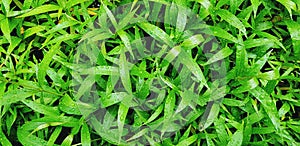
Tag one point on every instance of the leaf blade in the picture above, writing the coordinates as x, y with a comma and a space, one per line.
223, 53
5, 29
40, 10
156, 33
232, 20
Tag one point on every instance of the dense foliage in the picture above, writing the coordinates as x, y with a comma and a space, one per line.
158, 72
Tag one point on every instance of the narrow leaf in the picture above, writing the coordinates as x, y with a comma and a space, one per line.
157, 33
124, 72
192, 42
193, 67
122, 113
41, 108
236, 139
85, 135
3, 140
188, 141
225, 52
289, 5
219, 32
40, 10
42, 69
54, 136
61, 26
14, 96
268, 105
33, 30
232, 20
294, 29
5, 29
209, 116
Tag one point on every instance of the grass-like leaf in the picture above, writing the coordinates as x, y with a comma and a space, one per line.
41, 9
195, 72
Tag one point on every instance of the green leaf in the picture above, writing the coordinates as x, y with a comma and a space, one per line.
246, 85
156, 33
268, 105
6, 4
181, 19
241, 60
255, 4
61, 38
186, 60
111, 17
40, 10
294, 127
270, 75
140, 73
124, 72
236, 139
56, 78
16, 95
72, 3
28, 139
186, 134
16, 13
127, 19
113, 98
109, 135
221, 130
61, 26
169, 105
155, 114
188, 97
97, 70
96, 35
225, 52
139, 134
262, 130
68, 106
42, 68
232, 20
15, 41
251, 43
122, 113
27, 4
219, 32
205, 3
54, 136
6, 29
85, 86
41, 108
233, 102
3, 139
192, 42
39, 72
276, 40
258, 65
209, 141
33, 30
285, 108
125, 39
85, 135
172, 54
289, 5
2, 17
68, 140
188, 141
294, 29
211, 113
255, 117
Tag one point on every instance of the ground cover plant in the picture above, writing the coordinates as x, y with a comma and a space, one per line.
149, 72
